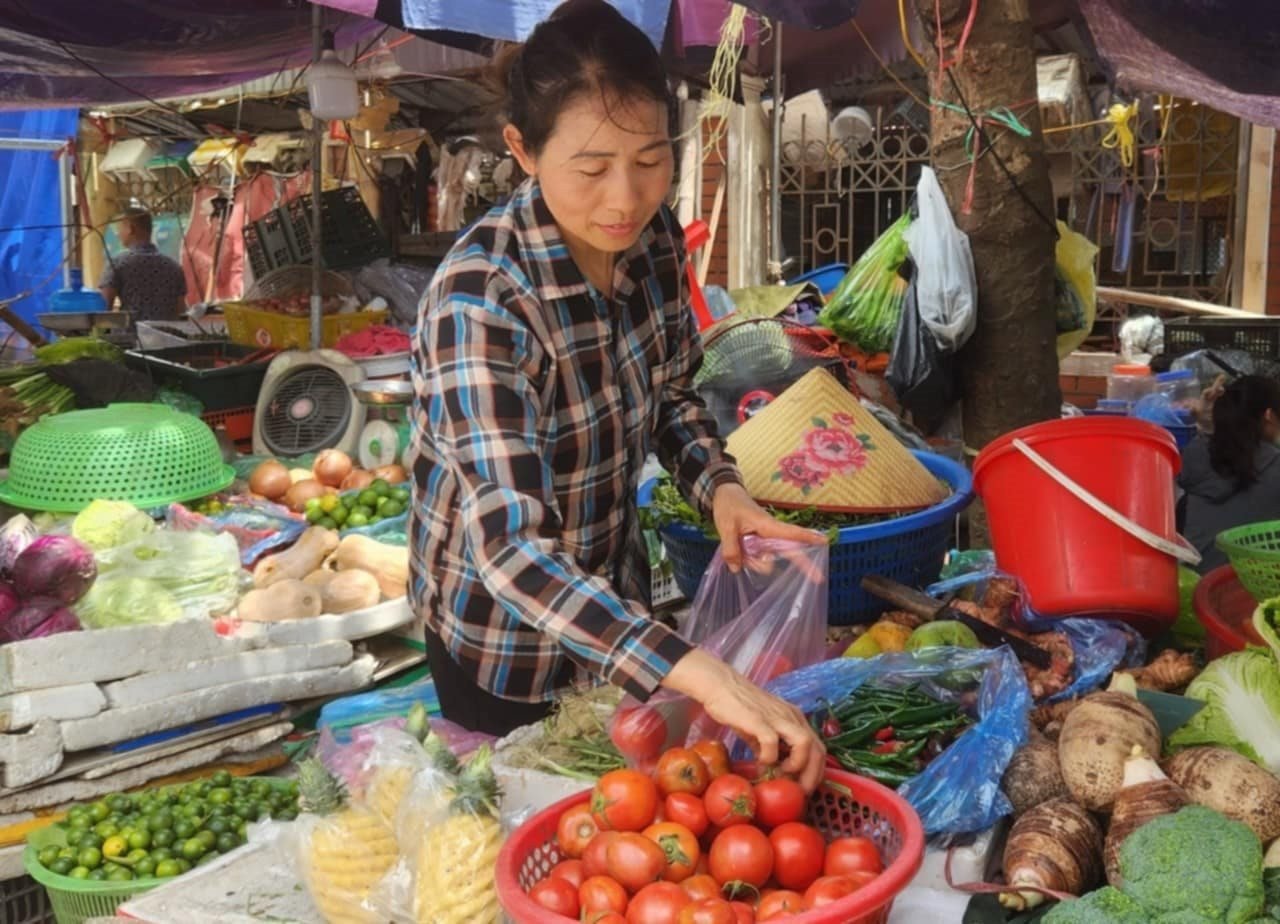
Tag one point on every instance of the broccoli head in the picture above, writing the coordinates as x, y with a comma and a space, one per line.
1105, 906
1194, 867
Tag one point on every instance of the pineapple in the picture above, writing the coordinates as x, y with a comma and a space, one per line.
347, 850
394, 774
455, 881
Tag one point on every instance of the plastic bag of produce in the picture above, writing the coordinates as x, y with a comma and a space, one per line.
946, 288
259, 527
764, 621
164, 576
959, 791
1075, 289
865, 306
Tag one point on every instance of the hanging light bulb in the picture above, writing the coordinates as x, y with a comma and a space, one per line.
332, 86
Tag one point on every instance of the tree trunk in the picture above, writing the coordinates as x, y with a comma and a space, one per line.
1009, 370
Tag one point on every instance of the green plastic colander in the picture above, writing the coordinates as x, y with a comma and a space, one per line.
147, 454
1254, 551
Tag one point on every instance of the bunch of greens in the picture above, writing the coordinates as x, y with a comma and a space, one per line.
865, 307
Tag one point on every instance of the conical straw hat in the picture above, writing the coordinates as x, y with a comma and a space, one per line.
816, 446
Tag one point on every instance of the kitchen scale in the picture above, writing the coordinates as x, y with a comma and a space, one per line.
384, 440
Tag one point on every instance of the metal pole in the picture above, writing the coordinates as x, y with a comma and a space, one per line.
317, 187
775, 182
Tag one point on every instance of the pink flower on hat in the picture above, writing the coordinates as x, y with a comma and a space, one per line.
835, 451
841, 419
799, 469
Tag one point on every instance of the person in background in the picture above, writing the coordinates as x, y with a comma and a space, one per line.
555, 347
149, 285
1231, 477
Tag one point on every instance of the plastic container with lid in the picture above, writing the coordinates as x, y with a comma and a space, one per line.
1130, 382
1180, 386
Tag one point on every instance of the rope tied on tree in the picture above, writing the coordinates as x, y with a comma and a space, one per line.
1121, 118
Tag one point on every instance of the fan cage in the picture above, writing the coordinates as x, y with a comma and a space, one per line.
309, 409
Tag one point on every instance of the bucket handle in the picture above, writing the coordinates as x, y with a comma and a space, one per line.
1181, 550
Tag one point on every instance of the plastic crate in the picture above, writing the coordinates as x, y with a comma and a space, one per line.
909, 549
256, 328
24, 901
238, 422
1260, 337
206, 371
352, 237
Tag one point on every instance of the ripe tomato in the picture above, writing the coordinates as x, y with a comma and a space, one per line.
595, 860
635, 861
829, 889
556, 895
730, 800
624, 800
715, 755
639, 733
658, 903
852, 855
679, 847
701, 886
798, 853
779, 801
742, 855
708, 911
599, 894
687, 809
605, 917
780, 904
744, 913
575, 831
682, 770
571, 871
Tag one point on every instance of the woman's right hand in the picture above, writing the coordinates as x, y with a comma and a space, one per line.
765, 722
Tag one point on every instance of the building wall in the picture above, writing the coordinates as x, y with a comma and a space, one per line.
1273, 248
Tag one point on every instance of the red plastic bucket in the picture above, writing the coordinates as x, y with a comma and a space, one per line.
1073, 560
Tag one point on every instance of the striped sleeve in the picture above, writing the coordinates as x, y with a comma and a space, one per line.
688, 444
485, 410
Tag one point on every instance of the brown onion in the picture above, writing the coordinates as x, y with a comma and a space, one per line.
391, 474
331, 467
358, 480
270, 479
297, 496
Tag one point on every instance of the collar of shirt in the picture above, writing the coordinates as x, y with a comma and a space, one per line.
551, 265
147, 247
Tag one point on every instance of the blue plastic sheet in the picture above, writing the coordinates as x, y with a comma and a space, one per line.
340, 716
1098, 646
513, 20
959, 792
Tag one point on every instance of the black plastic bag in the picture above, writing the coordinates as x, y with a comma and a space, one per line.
98, 383
920, 373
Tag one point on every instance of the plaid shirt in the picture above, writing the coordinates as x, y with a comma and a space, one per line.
537, 402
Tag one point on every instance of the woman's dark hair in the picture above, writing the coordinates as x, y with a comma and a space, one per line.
586, 46
1237, 426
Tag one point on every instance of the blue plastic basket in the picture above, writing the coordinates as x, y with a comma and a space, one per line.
910, 549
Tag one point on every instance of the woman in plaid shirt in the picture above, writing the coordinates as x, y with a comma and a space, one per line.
555, 349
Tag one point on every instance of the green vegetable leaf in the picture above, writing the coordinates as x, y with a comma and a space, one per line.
1242, 712
818, 422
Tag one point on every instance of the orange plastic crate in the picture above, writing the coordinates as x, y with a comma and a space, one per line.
238, 422
254, 327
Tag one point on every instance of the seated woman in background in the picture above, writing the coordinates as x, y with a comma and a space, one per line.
1231, 477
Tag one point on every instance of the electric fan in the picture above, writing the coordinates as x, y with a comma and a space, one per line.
305, 405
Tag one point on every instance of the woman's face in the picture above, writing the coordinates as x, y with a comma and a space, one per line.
604, 171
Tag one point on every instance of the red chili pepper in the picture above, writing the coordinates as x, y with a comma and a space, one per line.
833, 763
886, 747
885, 733
830, 727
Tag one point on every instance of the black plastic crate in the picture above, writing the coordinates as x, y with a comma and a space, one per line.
253, 249
352, 237
1258, 337
275, 243
24, 901
205, 371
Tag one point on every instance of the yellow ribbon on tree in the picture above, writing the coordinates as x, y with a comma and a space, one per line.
1121, 118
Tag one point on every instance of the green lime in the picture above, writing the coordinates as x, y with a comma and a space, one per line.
79, 817
328, 522
146, 868
136, 855
206, 838
193, 848
159, 820
119, 875
47, 855
369, 497
217, 826
163, 838
339, 515
62, 866
90, 857
314, 515
207, 858
380, 487
357, 520
184, 829
160, 854
400, 495
220, 796
98, 875
80, 872
288, 814
68, 853
119, 803
184, 865
167, 868
227, 843
221, 778
105, 829
140, 840
313, 503
390, 508
99, 811
88, 839
242, 830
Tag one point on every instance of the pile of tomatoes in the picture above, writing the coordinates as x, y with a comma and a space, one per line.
698, 844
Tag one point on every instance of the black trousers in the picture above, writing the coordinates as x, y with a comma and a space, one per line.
468, 704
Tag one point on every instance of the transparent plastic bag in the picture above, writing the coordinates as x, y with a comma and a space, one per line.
1075, 289
864, 308
946, 287
764, 621
343, 859
959, 791
259, 527
163, 576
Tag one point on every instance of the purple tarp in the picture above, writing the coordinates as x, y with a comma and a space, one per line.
1222, 53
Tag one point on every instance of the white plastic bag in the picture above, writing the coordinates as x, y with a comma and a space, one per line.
946, 287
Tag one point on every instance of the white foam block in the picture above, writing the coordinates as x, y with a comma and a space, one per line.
349, 626
32, 755
202, 675
22, 710
116, 725
109, 654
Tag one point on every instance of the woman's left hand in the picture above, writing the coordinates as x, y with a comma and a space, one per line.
737, 515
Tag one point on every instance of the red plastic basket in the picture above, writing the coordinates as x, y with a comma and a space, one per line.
1225, 609
844, 805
